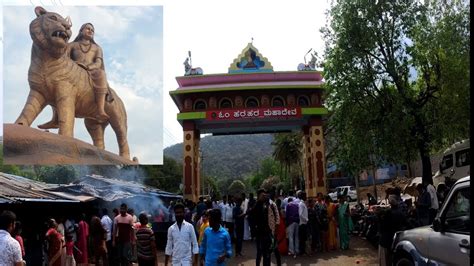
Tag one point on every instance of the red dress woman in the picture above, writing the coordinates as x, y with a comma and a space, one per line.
281, 235
82, 236
55, 244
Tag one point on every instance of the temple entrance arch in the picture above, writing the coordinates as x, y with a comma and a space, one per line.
252, 98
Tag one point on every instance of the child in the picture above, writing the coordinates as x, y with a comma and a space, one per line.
70, 251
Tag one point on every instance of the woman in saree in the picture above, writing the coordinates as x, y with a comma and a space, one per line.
344, 221
82, 241
55, 244
331, 241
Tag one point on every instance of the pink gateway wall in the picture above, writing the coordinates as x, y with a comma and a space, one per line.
186, 81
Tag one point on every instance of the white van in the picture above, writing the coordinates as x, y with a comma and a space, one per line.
455, 163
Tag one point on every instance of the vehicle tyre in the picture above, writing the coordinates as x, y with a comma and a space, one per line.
403, 261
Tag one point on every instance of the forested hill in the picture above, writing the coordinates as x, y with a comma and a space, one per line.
229, 156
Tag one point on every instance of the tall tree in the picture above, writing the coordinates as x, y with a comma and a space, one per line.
288, 151
397, 77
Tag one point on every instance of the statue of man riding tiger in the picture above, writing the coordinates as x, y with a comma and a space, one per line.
71, 78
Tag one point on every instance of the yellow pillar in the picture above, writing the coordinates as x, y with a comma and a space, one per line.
308, 163
314, 158
191, 170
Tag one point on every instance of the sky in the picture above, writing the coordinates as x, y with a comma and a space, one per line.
214, 31
131, 38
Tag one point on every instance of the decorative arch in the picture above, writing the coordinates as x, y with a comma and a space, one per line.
252, 102
278, 101
303, 100
225, 103
200, 104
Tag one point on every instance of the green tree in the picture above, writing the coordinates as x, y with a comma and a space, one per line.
166, 177
397, 78
59, 174
9, 169
288, 152
268, 167
236, 188
210, 187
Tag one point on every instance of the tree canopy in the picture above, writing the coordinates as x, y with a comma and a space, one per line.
397, 78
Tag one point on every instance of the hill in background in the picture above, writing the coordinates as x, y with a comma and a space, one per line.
233, 156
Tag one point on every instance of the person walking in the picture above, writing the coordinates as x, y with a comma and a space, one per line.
182, 244
331, 240
70, 261
10, 254
216, 245
54, 239
82, 241
322, 214
280, 232
123, 235
98, 241
17, 236
423, 204
313, 225
203, 226
107, 224
264, 233
292, 220
434, 206
239, 216
302, 228
390, 221
228, 217
146, 245
244, 206
250, 205
344, 221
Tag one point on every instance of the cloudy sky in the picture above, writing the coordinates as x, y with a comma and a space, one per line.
214, 31
131, 38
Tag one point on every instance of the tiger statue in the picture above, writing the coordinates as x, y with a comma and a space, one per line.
56, 80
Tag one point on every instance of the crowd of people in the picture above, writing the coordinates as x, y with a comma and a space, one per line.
292, 225
211, 231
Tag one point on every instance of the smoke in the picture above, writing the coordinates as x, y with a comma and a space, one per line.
115, 185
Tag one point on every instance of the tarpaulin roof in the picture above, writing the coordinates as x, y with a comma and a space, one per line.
17, 189
20, 189
110, 189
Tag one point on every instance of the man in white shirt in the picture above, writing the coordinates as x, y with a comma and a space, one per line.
244, 206
434, 202
302, 229
107, 225
182, 243
10, 254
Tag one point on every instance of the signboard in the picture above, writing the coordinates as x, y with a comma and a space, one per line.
254, 113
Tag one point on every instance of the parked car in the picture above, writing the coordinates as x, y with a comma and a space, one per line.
349, 191
446, 241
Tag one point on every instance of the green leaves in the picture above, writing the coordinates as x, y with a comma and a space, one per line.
397, 77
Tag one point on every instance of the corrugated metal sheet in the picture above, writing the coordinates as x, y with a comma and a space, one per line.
109, 189
19, 189
16, 188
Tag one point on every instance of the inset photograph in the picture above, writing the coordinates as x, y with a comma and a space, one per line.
83, 85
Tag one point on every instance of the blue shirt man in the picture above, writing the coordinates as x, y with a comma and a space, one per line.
216, 245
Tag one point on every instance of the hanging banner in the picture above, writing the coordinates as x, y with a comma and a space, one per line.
254, 113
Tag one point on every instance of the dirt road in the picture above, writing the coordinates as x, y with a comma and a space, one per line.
359, 253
